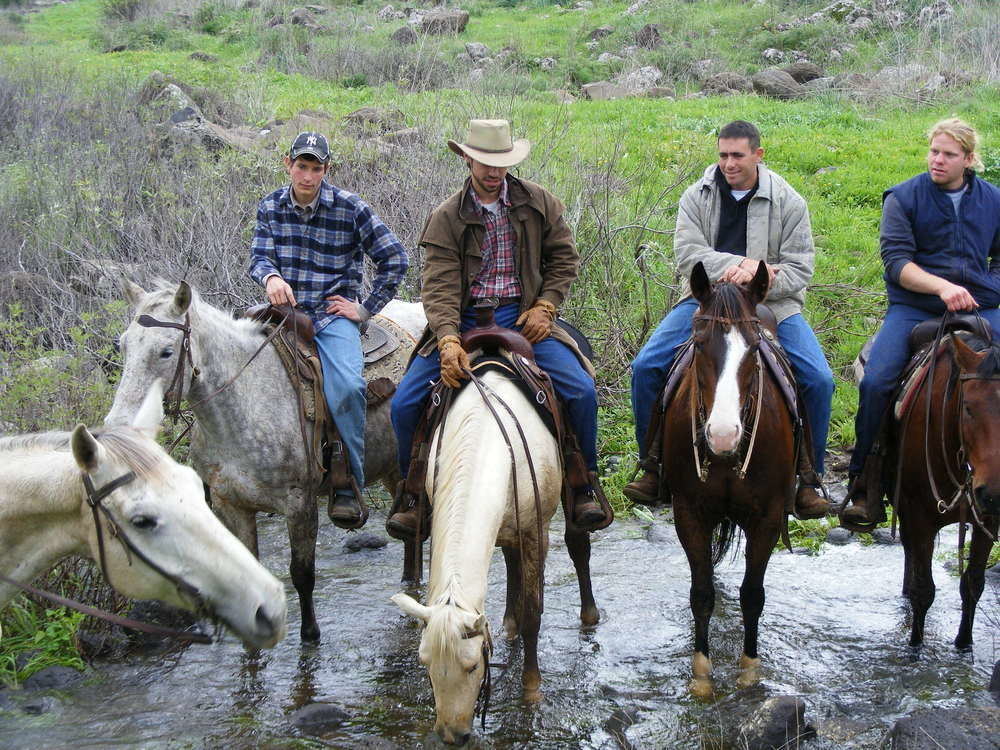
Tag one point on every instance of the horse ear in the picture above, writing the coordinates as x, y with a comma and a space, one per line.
758, 287
182, 297
967, 359
412, 607
480, 625
700, 285
133, 292
147, 419
86, 450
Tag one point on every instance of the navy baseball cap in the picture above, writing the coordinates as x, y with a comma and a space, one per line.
310, 143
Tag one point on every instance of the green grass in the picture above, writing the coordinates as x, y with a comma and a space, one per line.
38, 640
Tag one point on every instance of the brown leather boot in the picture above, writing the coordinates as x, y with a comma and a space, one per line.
857, 511
587, 512
809, 501
645, 490
403, 523
345, 511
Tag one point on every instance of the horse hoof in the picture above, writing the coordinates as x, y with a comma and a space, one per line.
750, 672
310, 635
510, 628
532, 695
590, 616
701, 688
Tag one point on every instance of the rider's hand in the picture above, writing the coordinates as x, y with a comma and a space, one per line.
957, 298
536, 321
278, 291
344, 307
750, 265
454, 361
736, 275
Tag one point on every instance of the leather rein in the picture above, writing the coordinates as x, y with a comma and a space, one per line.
94, 500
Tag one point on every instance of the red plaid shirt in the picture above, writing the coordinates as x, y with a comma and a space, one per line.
498, 275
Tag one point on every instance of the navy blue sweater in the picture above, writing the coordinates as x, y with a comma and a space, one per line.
920, 225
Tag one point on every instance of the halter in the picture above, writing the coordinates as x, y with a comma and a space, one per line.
176, 387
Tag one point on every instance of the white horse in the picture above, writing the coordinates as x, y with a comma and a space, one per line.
472, 493
247, 442
45, 516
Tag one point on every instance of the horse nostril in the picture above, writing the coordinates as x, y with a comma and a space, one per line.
265, 626
461, 739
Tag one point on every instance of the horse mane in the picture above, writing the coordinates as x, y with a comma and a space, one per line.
142, 455
728, 301
444, 629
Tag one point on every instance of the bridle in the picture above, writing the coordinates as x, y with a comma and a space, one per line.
753, 407
95, 498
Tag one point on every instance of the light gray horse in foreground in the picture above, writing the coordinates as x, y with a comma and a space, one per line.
247, 442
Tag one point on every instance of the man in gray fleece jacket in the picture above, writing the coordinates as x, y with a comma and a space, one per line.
738, 215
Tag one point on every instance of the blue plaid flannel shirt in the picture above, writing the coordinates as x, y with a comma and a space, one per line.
324, 255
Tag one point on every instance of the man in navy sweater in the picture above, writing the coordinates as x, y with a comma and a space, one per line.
940, 242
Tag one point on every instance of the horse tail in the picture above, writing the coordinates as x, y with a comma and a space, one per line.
722, 539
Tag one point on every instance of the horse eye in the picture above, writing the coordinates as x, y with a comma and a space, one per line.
167, 353
143, 522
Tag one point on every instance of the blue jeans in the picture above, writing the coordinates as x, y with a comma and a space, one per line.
813, 374
339, 347
572, 384
889, 355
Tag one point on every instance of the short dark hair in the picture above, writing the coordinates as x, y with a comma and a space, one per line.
741, 129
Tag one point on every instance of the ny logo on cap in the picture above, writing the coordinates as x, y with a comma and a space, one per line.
311, 140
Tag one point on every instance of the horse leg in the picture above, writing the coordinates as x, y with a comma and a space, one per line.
413, 552
530, 623
242, 523
761, 539
512, 558
578, 544
919, 587
971, 584
302, 524
696, 538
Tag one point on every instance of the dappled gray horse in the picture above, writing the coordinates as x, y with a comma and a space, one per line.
247, 442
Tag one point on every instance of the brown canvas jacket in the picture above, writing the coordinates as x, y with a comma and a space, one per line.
545, 256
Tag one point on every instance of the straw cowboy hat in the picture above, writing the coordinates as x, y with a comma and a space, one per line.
489, 142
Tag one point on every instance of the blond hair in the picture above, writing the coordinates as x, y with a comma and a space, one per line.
963, 134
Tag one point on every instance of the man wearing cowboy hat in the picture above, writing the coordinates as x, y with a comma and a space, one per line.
503, 239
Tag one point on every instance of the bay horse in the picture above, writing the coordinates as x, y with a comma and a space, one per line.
154, 537
497, 482
728, 458
247, 441
946, 469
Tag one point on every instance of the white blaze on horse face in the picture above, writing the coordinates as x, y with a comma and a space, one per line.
723, 430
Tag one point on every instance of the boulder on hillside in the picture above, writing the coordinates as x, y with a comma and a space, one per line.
368, 119
819, 85
477, 50
636, 7
776, 83
934, 728
773, 55
405, 35
649, 37
444, 22
600, 32
659, 92
804, 71
913, 78
388, 13
640, 79
603, 90
937, 12
203, 57
303, 17
725, 84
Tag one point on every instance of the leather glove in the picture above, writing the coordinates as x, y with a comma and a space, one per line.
536, 321
454, 361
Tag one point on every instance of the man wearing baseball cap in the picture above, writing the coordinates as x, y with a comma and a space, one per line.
504, 240
308, 251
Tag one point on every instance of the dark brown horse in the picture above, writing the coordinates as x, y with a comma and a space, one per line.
728, 458
945, 464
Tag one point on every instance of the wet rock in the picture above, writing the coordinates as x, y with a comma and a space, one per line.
53, 678
157, 613
444, 22
6, 704
932, 729
603, 90
994, 683
777, 83
658, 534
405, 35
993, 575
37, 706
364, 540
649, 37
317, 718
839, 536
726, 84
102, 645
778, 723
884, 536
804, 71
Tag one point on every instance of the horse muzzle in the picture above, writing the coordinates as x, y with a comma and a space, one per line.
987, 499
723, 440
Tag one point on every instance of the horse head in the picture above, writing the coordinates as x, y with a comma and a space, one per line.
152, 351
158, 539
979, 418
726, 338
454, 647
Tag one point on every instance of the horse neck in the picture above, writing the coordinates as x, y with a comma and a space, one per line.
470, 490
41, 495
